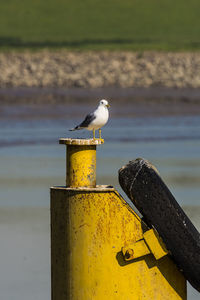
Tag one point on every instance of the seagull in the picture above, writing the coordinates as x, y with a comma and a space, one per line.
95, 120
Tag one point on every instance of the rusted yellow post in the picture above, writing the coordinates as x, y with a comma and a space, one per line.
91, 229
81, 162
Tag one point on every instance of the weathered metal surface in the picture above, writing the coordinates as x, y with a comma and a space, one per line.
88, 229
89, 226
81, 142
155, 243
98, 188
151, 243
81, 166
135, 250
81, 161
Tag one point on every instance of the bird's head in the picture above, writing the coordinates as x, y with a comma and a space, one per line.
104, 102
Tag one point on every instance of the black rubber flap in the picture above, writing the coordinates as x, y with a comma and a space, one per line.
143, 185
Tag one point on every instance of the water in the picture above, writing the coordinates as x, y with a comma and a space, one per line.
32, 160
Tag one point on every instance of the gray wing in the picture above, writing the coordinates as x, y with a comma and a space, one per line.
88, 119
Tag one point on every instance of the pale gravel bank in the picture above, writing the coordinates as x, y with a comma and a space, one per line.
99, 69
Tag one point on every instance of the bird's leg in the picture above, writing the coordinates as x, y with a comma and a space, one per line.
102, 140
93, 134
100, 133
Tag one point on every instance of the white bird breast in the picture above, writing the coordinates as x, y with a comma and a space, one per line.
101, 119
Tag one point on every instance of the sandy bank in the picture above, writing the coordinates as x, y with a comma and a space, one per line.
100, 69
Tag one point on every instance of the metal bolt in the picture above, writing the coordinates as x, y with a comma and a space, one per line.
129, 253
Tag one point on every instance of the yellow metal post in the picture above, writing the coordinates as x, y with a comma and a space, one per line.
89, 226
81, 162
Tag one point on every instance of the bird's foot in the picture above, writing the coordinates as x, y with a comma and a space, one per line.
98, 139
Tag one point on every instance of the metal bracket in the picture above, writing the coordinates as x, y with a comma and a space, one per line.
150, 244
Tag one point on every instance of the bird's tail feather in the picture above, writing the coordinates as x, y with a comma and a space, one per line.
76, 128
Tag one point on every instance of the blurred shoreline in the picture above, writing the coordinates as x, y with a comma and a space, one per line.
62, 104
62, 95
100, 69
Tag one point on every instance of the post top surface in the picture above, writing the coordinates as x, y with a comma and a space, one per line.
69, 141
98, 188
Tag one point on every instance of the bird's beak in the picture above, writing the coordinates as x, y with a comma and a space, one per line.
108, 105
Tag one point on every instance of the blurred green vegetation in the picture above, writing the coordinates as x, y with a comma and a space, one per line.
97, 24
